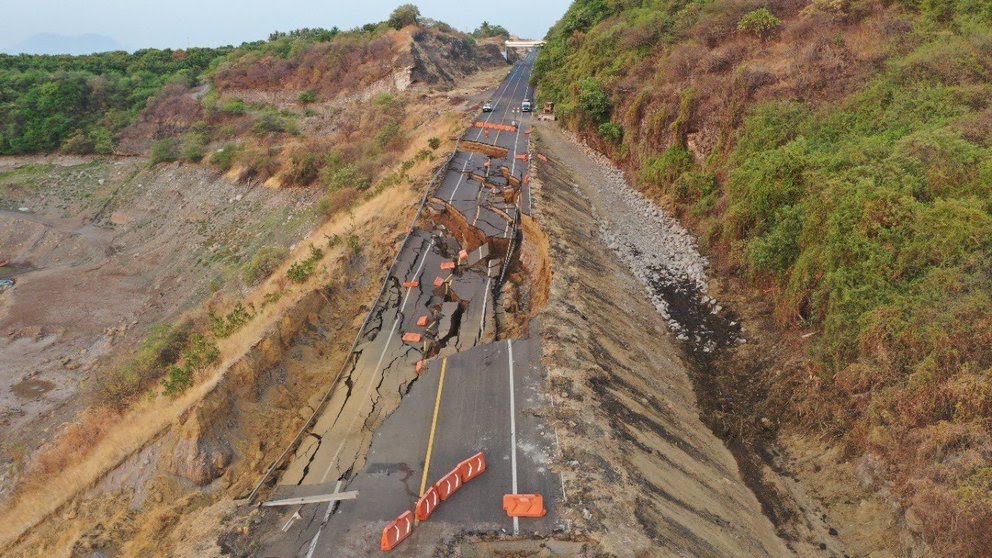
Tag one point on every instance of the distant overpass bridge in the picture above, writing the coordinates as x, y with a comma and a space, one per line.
524, 44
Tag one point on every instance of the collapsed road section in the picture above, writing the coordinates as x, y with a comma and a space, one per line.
430, 343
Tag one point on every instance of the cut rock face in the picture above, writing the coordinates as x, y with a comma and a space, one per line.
199, 455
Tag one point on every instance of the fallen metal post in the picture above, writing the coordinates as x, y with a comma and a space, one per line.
337, 496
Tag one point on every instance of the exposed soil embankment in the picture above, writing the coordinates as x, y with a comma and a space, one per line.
643, 474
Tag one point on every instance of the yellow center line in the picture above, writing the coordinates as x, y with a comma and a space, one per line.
430, 440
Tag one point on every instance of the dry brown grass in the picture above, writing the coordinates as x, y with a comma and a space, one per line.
75, 442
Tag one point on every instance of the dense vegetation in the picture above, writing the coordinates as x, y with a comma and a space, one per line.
78, 103
486, 30
860, 194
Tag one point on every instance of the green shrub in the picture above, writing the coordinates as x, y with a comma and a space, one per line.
234, 106
194, 146
306, 97
760, 23
299, 272
694, 186
120, 383
665, 169
199, 353
223, 158
389, 132
336, 175
594, 101
165, 150
224, 326
354, 244
611, 132
434, 143
271, 123
263, 263
103, 141
178, 380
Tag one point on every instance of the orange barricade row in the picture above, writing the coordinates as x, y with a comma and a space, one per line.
522, 157
524, 505
449, 484
396, 531
472, 467
411, 337
438, 282
447, 266
422, 321
427, 504
411, 284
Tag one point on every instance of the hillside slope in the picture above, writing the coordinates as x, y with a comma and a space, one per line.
244, 229
834, 158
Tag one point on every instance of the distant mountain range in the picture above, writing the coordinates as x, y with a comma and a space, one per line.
53, 43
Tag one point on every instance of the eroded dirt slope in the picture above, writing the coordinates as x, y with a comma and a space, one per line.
104, 249
643, 474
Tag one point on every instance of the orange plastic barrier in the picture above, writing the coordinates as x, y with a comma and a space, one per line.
422, 321
542, 158
427, 504
411, 284
528, 132
491, 126
447, 266
411, 337
526, 179
438, 282
462, 255
449, 484
522, 157
421, 366
524, 505
472, 467
396, 531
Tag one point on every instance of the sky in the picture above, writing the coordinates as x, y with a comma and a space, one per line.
181, 23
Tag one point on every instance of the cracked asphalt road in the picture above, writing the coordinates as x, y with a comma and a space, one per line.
374, 432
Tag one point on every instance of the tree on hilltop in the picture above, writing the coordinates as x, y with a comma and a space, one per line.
406, 14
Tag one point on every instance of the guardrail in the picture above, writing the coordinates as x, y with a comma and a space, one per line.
431, 185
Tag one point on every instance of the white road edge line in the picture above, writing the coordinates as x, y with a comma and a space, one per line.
327, 515
330, 506
382, 357
513, 435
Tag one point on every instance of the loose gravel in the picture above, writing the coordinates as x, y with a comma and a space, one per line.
659, 251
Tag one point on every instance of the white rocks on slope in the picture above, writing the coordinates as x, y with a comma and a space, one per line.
653, 245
